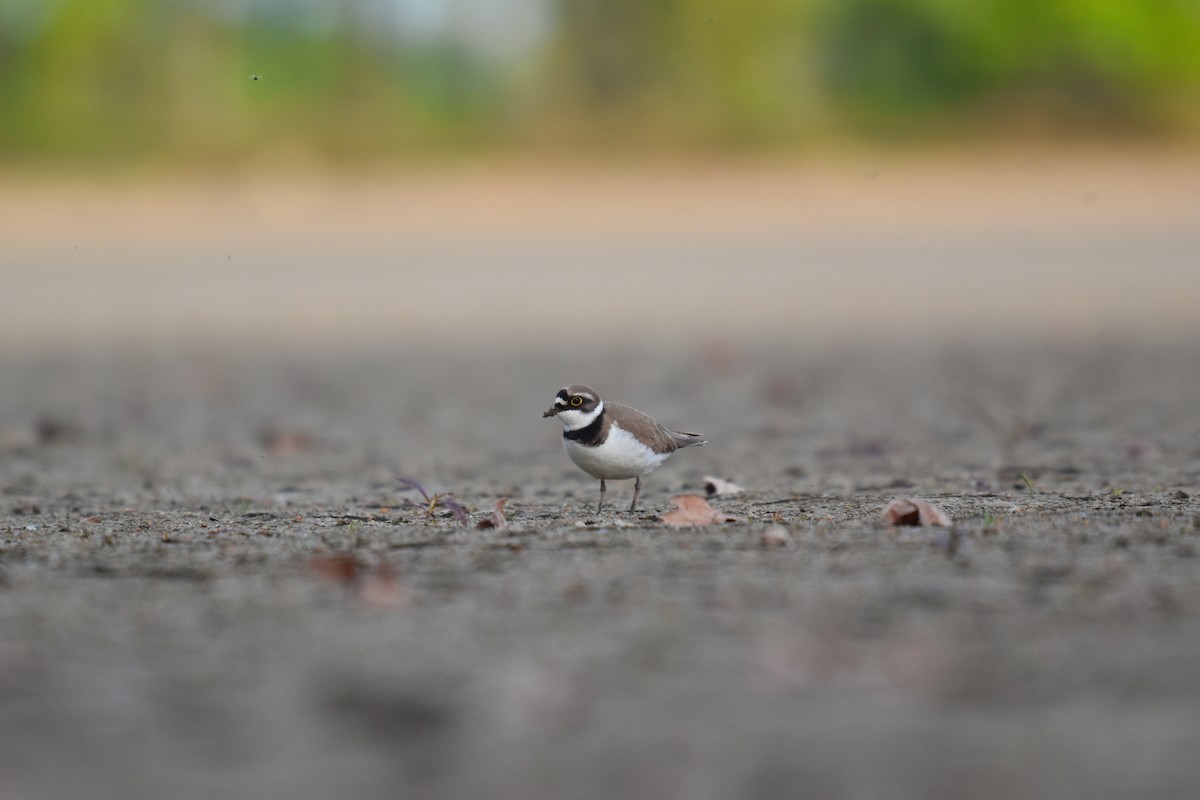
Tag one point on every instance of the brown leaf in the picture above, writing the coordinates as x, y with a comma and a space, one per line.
775, 536
915, 511
340, 568
376, 585
285, 442
496, 520
53, 430
1141, 450
382, 588
692, 510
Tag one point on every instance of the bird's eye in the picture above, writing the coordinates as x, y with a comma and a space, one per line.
576, 401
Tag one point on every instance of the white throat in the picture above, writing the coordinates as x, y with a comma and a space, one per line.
573, 419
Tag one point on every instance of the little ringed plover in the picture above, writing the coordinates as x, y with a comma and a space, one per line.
611, 441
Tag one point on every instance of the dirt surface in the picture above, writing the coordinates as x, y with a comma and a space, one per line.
212, 586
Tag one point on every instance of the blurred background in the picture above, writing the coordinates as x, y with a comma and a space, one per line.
362, 172
260, 257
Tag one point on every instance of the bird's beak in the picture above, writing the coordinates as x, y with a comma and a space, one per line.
551, 412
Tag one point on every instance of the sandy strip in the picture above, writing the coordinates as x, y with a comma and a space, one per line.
1062, 245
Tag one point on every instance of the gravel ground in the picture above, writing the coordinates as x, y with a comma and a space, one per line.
211, 584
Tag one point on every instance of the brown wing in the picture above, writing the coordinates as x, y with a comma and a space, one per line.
646, 428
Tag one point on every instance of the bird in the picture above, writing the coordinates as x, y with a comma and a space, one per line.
611, 441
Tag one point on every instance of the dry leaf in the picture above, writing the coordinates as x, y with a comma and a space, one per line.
380, 587
285, 442
775, 536
375, 585
951, 543
915, 511
1141, 450
692, 510
715, 486
496, 520
340, 568
53, 430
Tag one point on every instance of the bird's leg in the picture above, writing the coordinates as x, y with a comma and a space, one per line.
637, 489
603, 489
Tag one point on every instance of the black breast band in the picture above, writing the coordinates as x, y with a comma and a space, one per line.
589, 435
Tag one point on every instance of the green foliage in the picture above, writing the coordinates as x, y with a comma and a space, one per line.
718, 72
136, 79
119, 79
763, 71
1076, 63
78, 85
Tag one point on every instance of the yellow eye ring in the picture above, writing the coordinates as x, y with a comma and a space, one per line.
576, 401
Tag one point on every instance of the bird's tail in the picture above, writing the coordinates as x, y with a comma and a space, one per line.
683, 439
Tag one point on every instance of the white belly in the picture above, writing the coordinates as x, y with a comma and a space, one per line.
621, 456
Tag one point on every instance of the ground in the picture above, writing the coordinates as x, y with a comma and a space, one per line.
175, 621
212, 584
